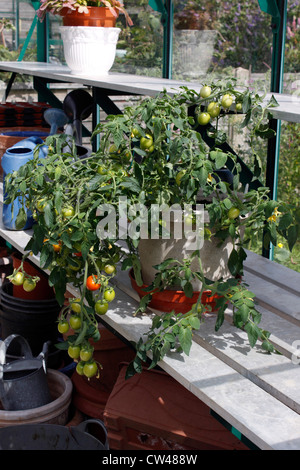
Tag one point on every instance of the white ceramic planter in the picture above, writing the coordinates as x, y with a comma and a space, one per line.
89, 50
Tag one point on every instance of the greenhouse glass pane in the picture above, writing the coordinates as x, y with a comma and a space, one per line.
140, 47
221, 39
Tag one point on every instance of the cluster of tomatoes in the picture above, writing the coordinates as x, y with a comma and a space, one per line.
214, 107
82, 351
20, 278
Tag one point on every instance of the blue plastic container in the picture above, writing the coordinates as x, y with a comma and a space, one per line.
12, 160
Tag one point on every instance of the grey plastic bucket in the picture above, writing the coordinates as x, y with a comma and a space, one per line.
23, 382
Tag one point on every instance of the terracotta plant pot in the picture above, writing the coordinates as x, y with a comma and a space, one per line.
96, 16
176, 300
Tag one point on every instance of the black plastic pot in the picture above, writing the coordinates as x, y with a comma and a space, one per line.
88, 435
35, 320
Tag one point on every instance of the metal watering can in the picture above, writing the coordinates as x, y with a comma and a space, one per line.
23, 381
88, 435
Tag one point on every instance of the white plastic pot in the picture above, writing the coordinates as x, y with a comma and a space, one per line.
89, 50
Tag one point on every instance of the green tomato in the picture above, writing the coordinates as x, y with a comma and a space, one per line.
205, 91
86, 353
109, 269
109, 294
101, 170
63, 326
213, 109
76, 306
203, 119
238, 106
233, 213
79, 367
146, 142
74, 351
227, 101
67, 211
29, 284
41, 204
90, 369
75, 322
135, 133
101, 307
18, 279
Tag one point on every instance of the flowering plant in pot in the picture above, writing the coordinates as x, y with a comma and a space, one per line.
151, 157
89, 26
65, 8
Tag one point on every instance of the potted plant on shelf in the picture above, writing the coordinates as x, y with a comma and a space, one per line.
89, 32
195, 35
153, 157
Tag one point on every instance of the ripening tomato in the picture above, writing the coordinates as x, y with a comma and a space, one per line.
92, 284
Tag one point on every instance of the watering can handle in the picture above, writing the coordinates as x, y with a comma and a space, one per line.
44, 355
84, 427
25, 348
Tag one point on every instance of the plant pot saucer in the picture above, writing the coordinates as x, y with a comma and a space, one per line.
168, 300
